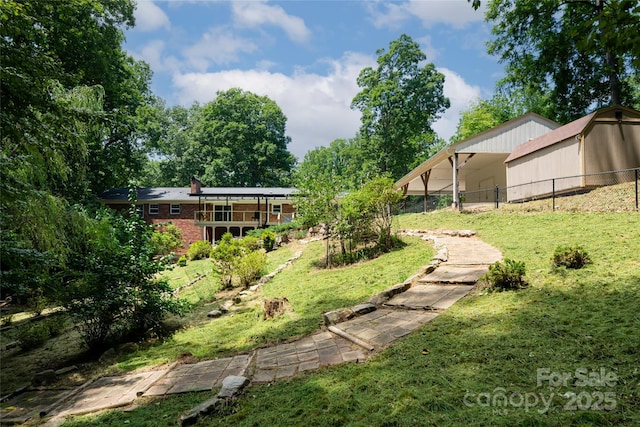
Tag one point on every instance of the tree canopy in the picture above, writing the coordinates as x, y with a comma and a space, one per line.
567, 57
400, 99
236, 140
483, 114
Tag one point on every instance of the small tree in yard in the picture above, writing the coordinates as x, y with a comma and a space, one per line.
225, 256
111, 289
241, 258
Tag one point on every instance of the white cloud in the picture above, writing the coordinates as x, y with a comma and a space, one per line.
256, 13
317, 106
457, 13
219, 46
460, 94
427, 47
153, 53
150, 17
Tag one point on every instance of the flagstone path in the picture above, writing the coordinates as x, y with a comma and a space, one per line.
461, 260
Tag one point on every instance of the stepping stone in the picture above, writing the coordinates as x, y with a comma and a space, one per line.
430, 296
383, 326
109, 392
455, 274
201, 376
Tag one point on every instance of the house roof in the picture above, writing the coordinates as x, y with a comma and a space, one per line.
183, 194
562, 133
569, 130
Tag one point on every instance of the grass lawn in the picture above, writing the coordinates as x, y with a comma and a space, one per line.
310, 292
485, 352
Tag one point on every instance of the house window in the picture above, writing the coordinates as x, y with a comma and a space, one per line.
222, 213
276, 209
175, 209
154, 209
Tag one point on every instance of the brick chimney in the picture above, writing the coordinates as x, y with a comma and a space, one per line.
196, 185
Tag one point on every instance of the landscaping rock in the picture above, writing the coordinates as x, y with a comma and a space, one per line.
232, 386
66, 370
107, 355
205, 408
442, 255
361, 309
466, 233
215, 313
387, 294
337, 316
43, 378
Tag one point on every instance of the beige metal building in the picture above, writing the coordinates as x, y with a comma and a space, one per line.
605, 140
475, 163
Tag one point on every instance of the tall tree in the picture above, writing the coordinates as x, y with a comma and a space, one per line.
171, 140
343, 159
243, 138
70, 44
568, 55
400, 99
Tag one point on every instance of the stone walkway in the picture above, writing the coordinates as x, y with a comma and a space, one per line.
461, 260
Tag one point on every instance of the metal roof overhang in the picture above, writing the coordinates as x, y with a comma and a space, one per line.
440, 169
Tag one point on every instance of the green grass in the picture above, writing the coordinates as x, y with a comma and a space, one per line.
310, 292
486, 343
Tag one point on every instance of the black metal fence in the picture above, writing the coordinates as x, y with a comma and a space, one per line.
597, 192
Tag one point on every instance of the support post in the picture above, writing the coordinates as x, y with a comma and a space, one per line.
553, 194
425, 181
497, 196
456, 195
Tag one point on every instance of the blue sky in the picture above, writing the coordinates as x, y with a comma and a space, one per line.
306, 55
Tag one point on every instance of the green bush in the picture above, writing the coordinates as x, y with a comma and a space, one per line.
200, 249
570, 257
31, 334
507, 275
182, 261
55, 324
250, 267
268, 240
251, 243
167, 240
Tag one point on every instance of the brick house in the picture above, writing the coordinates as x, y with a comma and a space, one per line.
203, 213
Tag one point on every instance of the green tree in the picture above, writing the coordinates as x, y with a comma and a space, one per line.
110, 284
370, 210
170, 136
243, 139
483, 114
567, 56
399, 101
52, 47
343, 159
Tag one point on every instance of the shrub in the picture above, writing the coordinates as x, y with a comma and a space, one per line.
251, 243
225, 257
570, 257
199, 250
182, 261
268, 240
55, 324
250, 267
32, 334
167, 240
112, 290
507, 275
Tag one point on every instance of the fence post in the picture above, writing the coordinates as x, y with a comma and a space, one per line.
498, 195
637, 170
553, 194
